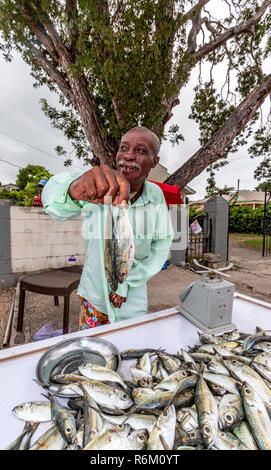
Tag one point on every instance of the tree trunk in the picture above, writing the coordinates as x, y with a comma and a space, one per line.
217, 146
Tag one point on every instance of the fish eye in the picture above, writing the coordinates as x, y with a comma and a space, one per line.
164, 413
229, 418
68, 430
141, 437
21, 406
207, 430
183, 374
234, 361
246, 390
192, 434
124, 396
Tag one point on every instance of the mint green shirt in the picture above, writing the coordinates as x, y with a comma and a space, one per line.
153, 235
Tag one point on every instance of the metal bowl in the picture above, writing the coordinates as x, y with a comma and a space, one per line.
66, 356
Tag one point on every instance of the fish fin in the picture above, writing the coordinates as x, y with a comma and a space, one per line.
46, 387
193, 371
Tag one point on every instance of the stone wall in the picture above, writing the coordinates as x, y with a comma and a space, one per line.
32, 241
5, 251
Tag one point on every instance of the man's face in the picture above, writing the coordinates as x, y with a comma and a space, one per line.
40, 188
136, 156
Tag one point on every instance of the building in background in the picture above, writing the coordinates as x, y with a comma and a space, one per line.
243, 197
250, 198
9, 187
160, 174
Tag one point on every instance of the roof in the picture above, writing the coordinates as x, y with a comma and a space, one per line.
160, 173
227, 197
9, 186
187, 190
250, 195
247, 194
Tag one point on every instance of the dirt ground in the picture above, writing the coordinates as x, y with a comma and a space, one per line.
251, 274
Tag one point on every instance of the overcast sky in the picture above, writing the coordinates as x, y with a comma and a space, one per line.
21, 118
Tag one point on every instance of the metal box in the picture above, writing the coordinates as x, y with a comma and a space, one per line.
208, 304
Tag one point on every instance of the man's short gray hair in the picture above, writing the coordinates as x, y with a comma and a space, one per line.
156, 141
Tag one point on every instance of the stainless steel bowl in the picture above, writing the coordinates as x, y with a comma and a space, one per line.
66, 356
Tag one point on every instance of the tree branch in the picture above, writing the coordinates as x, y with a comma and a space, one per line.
40, 32
195, 10
217, 146
40, 60
230, 33
72, 13
197, 56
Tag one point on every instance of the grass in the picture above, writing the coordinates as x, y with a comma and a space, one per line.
246, 239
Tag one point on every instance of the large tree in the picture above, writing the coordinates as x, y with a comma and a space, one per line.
120, 63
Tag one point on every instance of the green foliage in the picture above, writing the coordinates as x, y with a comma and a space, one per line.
31, 174
244, 219
134, 57
209, 110
262, 186
12, 195
27, 180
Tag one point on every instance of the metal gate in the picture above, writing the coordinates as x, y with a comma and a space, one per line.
200, 243
267, 224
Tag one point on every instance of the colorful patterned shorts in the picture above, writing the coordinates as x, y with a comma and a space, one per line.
90, 317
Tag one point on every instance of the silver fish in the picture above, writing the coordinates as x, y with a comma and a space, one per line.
135, 420
207, 412
125, 246
50, 440
172, 381
110, 266
116, 438
63, 419
102, 374
257, 416
139, 374
228, 383
263, 358
243, 433
264, 371
216, 366
165, 429
230, 411
106, 396
14, 445
171, 364
227, 441
34, 411
245, 373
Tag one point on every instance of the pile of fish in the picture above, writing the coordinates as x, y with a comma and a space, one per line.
216, 395
119, 246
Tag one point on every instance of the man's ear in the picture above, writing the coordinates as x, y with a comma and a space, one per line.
155, 162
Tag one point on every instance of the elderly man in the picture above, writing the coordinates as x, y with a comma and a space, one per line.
65, 197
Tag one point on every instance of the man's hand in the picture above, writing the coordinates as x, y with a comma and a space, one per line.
100, 182
116, 299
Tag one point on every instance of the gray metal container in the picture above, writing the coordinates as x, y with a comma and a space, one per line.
208, 304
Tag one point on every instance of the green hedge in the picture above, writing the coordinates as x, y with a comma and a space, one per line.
246, 220
243, 219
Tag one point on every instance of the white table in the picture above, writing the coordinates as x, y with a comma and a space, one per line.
167, 329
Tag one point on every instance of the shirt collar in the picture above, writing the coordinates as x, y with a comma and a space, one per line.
146, 195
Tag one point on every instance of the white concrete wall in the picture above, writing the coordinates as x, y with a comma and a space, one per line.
39, 242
